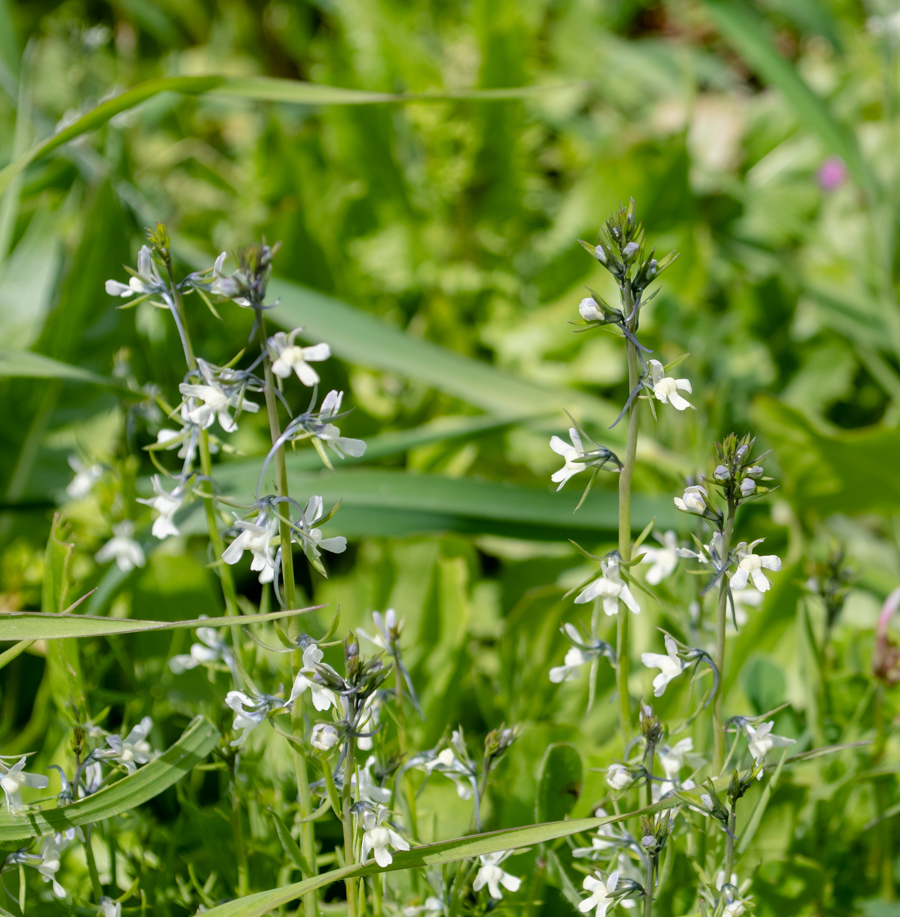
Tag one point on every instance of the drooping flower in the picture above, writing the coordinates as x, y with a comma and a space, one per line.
664, 559
250, 711
330, 409
378, 838
577, 458
750, 567
305, 679
86, 476
51, 847
611, 588
143, 281
213, 399
666, 389
166, 503
255, 537
607, 837
324, 736
693, 501
618, 777
131, 751
210, 649
366, 788
313, 542
13, 778
762, 741
288, 357
575, 659
491, 875
600, 894
122, 548
670, 666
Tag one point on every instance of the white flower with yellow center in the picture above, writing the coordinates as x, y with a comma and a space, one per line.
666, 389
491, 875
288, 357
750, 567
599, 899
611, 588
378, 838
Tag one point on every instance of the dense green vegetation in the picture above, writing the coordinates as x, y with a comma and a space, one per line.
428, 221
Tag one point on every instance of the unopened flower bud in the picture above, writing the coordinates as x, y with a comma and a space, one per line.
630, 250
589, 310
754, 471
722, 473
599, 254
748, 485
324, 736
618, 777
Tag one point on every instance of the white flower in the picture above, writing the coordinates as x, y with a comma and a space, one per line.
432, 905
324, 736
210, 649
369, 721
255, 537
735, 906
618, 777
377, 838
611, 587
134, 749
314, 542
367, 788
606, 838
51, 848
110, 908
750, 567
287, 357
666, 389
249, 711
748, 485
122, 548
599, 897
761, 741
215, 400
166, 504
575, 659
672, 759
331, 407
322, 698
491, 875
670, 666
571, 454
86, 476
589, 310
145, 280
693, 501
14, 778
664, 559
384, 625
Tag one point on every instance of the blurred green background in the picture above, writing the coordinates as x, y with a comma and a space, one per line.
433, 243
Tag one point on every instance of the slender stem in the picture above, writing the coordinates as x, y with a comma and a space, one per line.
888, 887
298, 724
96, 887
650, 755
347, 819
729, 843
625, 542
648, 890
721, 622
398, 703
209, 505
237, 831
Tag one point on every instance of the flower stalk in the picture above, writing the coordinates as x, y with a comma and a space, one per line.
721, 625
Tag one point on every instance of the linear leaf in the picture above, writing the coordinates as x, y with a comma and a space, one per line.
29, 625
259, 88
366, 340
395, 503
745, 30
24, 364
194, 745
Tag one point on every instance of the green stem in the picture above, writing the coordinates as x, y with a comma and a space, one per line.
721, 622
209, 505
96, 887
347, 819
298, 725
648, 891
649, 766
729, 844
885, 846
625, 542
237, 831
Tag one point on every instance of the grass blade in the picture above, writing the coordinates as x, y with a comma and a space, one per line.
194, 745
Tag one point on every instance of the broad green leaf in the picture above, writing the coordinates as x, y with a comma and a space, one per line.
559, 782
27, 365
832, 471
259, 88
744, 28
369, 341
394, 503
26, 625
150, 780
